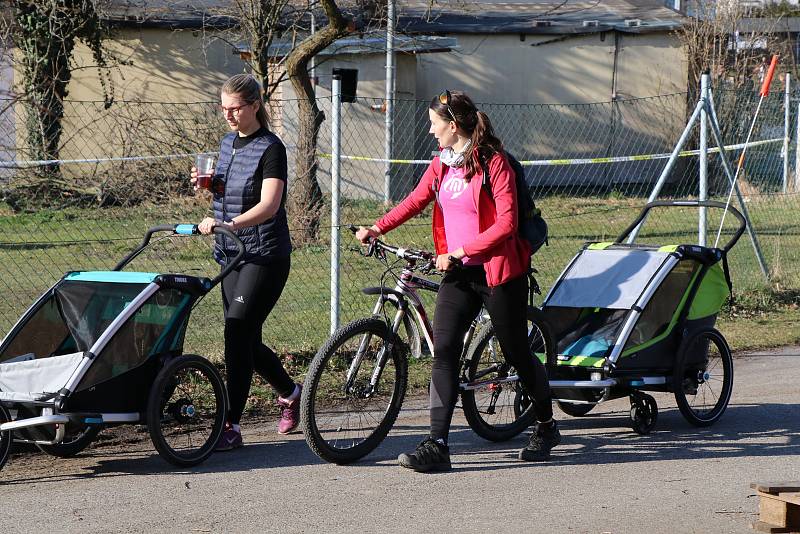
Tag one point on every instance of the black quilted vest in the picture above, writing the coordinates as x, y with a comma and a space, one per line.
236, 169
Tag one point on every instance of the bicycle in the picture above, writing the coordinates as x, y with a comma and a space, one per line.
356, 383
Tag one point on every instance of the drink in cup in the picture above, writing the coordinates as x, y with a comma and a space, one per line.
205, 169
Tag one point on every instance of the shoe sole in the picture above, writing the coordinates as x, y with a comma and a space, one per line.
425, 468
229, 447
539, 459
287, 432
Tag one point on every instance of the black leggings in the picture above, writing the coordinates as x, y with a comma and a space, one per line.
459, 300
249, 293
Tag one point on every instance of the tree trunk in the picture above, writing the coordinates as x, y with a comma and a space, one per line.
45, 33
305, 195
305, 199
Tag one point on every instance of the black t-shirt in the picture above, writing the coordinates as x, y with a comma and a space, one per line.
273, 163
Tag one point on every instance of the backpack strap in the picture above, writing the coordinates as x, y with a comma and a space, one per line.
436, 180
487, 181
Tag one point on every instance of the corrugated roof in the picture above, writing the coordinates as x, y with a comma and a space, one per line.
438, 16
537, 16
372, 44
777, 25
175, 14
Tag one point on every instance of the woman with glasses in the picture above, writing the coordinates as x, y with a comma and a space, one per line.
485, 263
249, 198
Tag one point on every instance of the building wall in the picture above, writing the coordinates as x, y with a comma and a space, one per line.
562, 69
187, 66
554, 68
165, 66
363, 124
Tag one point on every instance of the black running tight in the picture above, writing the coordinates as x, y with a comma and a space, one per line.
459, 300
249, 293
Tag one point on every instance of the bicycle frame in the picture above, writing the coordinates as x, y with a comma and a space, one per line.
404, 295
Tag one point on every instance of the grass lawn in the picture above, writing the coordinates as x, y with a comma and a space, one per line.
38, 248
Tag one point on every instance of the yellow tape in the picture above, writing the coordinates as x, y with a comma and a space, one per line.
573, 161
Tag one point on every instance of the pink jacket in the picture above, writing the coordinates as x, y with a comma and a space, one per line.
508, 254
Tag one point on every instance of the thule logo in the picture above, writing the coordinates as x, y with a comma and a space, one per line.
239, 299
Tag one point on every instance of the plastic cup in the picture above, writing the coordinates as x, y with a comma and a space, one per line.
205, 169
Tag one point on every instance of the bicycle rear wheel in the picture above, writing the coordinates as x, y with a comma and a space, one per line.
497, 407
344, 414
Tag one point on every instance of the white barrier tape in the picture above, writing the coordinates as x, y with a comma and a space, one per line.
576, 161
45, 162
534, 162
642, 157
382, 160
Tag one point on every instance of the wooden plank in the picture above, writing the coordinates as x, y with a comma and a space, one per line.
772, 529
776, 487
773, 511
791, 497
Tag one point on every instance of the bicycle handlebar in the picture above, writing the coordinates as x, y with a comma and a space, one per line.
409, 254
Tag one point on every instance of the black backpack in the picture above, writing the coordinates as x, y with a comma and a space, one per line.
532, 227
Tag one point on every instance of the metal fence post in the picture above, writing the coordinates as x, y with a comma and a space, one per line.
702, 215
786, 120
389, 124
336, 141
797, 151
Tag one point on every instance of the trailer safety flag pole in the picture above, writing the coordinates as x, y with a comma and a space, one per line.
763, 94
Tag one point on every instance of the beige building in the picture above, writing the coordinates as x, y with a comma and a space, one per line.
528, 53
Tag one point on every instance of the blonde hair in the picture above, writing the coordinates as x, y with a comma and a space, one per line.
247, 87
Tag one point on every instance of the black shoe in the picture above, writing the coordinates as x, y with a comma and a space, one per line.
542, 440
428, 456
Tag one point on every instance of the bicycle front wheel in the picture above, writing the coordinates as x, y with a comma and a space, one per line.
353, 391
496, 405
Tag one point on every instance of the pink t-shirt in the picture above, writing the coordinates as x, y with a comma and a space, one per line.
459, 210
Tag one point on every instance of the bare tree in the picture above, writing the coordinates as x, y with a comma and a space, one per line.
260, 23
305, 201
45, 32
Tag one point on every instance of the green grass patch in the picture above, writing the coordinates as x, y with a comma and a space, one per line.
37, 248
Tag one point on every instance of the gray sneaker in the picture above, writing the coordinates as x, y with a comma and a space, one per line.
542, 440
428, 456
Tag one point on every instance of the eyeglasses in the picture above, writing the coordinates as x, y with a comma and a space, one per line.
233, 109
444, 99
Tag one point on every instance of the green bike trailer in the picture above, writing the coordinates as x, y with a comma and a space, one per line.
106, 347
630, 318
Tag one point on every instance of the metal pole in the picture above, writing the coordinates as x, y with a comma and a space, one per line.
786, 120
670, 163
389, 133
726, 164
336, 131
797, 152
312, 70
702, 223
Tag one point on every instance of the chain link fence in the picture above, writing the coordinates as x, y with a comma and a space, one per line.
591, 166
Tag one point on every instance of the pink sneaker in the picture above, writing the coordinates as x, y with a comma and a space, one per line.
290, 413
229, 439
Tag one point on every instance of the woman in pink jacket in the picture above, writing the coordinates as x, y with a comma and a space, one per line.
480, 232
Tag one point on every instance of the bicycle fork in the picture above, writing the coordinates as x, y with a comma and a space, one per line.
382, 357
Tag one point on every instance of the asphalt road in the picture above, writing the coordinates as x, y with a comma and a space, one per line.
604, 478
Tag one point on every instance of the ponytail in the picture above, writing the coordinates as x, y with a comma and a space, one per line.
484, 144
